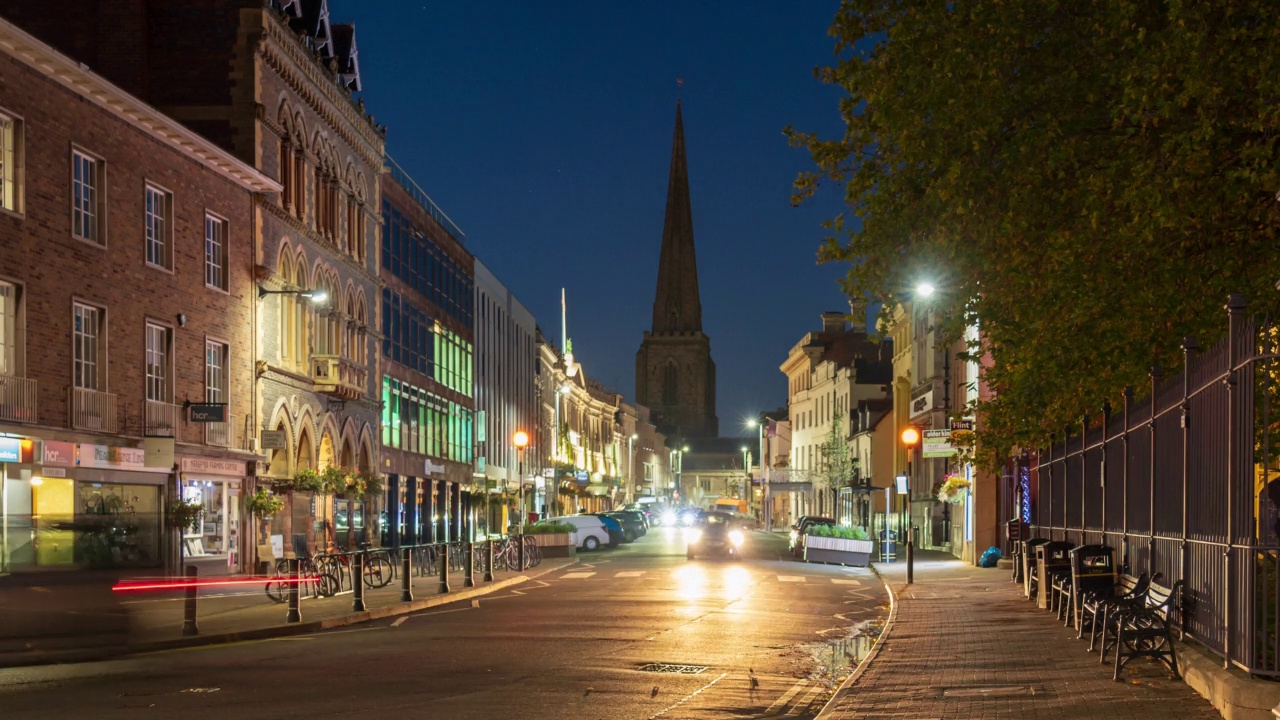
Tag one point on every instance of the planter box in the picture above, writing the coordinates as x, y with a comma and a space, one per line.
556, 545
838, 550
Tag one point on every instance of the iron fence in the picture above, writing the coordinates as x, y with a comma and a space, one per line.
1180, 480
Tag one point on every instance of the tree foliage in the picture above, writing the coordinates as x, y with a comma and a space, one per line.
1086, 179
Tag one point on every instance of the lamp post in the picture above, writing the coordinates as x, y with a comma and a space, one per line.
764, 475
910, 440
521, 440
631, 469
746, 472
317, 297
555, 446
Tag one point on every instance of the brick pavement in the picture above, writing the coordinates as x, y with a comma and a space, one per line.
967, 645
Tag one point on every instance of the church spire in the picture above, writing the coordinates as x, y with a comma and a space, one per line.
677, 307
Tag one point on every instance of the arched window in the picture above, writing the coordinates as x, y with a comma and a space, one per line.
285, 270
301, 327
670, 389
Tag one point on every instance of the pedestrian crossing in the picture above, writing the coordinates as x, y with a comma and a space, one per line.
645, 574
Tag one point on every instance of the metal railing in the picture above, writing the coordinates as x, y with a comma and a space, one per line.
221, 434
420, 196
17, 399
161, 419
92, 410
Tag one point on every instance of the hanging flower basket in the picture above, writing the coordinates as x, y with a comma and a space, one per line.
263, 504
953, 490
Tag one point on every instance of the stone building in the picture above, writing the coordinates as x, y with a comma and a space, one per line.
428, 316
127, 296
675, 375
273, 82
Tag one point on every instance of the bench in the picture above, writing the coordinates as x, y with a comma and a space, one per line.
1143, 629
1097, 604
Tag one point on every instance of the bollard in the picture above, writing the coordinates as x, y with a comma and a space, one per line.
520, 552
444, 568
469, 573
406, 574
294, 614
357, 584
189, 606
488, 566
911, 560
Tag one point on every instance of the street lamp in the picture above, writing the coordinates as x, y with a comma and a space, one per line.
521, 440
317, 297
910, 440
764, 472
925, 290
746, 471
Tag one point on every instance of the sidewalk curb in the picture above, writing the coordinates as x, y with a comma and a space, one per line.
277, 631
850, 681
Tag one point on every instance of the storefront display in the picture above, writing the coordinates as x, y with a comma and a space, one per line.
216, 531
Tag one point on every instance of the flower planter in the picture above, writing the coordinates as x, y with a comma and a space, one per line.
838, 550
555, 545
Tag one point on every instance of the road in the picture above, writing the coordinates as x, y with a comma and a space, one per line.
572, 643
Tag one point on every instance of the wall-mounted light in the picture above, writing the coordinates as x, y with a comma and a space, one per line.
317, 297
182, 320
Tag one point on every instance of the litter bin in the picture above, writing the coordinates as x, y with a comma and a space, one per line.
888, 545
1027, 561
1093, 569
1051, 558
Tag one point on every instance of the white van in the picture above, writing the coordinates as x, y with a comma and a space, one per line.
590, 529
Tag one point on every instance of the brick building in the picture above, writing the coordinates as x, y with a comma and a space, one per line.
428, 436
273, 81
126, 296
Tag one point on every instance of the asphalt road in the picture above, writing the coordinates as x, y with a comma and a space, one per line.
571, 644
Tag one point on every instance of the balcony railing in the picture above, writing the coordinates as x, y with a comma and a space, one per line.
93, 410
162, 420
423, 200
17, 399
339, 377
221, 434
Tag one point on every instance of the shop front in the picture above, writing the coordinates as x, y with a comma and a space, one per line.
214, 541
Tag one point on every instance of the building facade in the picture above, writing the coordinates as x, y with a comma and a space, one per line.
127, 300
506, 392
675, 375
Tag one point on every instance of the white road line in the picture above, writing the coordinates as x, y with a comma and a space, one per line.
574, 575
790, 578
629, 573
804, 701
847, 582
687, 698
786, 698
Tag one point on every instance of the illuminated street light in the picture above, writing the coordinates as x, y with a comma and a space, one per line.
924, 291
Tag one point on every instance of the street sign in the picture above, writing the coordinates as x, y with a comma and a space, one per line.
274, 440
937, 443
961, 425
207, 412
582, 476
901, 482
961, 432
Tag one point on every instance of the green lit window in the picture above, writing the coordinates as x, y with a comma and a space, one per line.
386, 411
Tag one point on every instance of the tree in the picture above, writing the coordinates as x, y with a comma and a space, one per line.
1087, 180
834, 467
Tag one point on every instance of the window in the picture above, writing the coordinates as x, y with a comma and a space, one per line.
215, 372
158, 208
88, 368
10, 326
159, 339
87, 176
11, 162
215, 252
286, 176
670, 389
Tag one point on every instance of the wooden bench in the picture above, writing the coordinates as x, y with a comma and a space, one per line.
1097, 604
1144, 629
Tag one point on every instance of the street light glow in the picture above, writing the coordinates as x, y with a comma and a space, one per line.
924, 290
520, 439
910, 436
317, 297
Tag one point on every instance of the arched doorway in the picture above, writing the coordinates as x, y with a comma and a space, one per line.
326, 457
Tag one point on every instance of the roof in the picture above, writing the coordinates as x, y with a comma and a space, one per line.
677, 305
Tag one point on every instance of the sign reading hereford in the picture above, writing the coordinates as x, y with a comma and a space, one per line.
212, 466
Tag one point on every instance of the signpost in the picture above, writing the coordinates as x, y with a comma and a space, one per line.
937, 444
207, 412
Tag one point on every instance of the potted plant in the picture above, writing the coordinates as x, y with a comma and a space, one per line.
953, 489
841, 544
183, 516
555, 539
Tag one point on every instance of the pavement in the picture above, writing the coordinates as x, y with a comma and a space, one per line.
766, 637
965, 643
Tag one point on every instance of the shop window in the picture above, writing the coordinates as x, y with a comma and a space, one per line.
215, 530
122, 525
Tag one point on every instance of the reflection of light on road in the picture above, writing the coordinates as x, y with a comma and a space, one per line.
736, 582
691, 582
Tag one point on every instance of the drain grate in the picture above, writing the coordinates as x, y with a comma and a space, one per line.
991, 691
674, 668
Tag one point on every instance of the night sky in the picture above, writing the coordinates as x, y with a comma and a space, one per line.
544, 131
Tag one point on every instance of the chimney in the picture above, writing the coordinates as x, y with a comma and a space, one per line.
833, 322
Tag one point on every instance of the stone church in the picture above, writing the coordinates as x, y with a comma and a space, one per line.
675, 375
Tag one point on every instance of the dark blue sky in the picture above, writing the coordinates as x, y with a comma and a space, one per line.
544, 130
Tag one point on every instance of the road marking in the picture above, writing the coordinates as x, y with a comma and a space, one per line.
804, 701
790, 578
786, 698
399, 621
847, 582
687, 698
575, 575
629, 573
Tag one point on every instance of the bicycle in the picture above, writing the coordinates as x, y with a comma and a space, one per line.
311, 581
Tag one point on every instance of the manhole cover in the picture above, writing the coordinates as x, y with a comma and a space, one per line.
673, 668
990, 691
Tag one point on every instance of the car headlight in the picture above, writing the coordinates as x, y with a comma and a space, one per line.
735, 537
687, 519
692, 535
668, 518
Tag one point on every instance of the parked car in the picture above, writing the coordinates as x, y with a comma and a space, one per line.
801, 527
614, 528
645, 510
717, 534
591, 531
632, 524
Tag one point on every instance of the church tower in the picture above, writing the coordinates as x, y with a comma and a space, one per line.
675, 376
